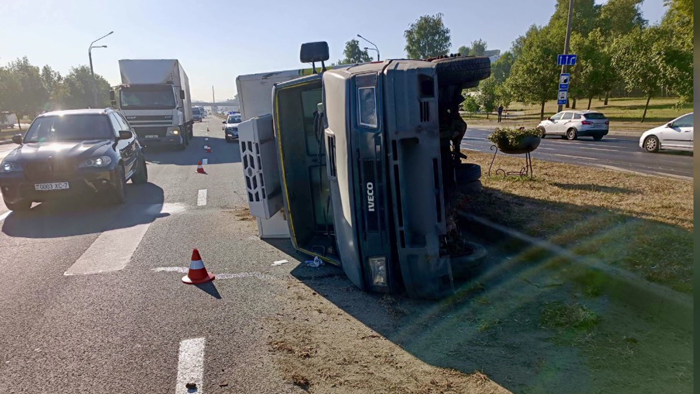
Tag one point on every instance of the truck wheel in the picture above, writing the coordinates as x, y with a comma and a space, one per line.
462, 70
467, 172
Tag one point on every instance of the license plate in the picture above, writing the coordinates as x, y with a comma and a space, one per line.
152, 136
51, 186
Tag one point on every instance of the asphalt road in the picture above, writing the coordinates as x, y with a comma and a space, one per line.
92, 300
616, 152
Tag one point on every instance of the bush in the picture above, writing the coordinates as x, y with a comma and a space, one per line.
470, 105
512, 136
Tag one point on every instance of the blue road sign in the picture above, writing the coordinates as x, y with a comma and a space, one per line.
561, 98
566, 60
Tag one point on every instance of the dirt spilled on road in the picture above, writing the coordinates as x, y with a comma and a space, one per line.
321, 349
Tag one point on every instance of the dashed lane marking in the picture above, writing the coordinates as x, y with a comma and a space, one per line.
202, 197
190, 366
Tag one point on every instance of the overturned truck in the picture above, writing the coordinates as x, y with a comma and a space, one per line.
364, 161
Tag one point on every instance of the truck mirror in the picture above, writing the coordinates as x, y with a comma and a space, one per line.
111, 96
182, 94
314, 52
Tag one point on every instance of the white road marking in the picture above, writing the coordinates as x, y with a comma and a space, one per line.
4, 215
190, 366
603, 149
205, 161
202, 197
111, 251
574, 157
181, 270
545, 148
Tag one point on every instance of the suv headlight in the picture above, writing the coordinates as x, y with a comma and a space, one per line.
10, 167
101, 161
173, 131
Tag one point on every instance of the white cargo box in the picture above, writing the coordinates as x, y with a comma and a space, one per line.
260, 169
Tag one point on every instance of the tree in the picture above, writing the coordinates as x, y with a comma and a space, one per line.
504, 95
427, 37
353, 53
32, 95
583, 20
464, 50
78, 89
487, 95
588, 76
500, 69
619, 17
640, 58
677, 32
478, 48
470, 105
534, 75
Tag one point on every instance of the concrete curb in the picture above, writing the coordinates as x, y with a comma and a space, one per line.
611, 132
650, 298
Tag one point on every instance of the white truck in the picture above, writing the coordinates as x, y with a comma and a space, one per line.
155, 98
255, 99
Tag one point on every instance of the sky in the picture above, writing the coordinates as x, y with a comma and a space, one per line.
217, 40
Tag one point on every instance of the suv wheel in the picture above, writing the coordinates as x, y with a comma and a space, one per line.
19, 206
571, 134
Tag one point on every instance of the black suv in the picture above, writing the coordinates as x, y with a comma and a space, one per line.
64, 154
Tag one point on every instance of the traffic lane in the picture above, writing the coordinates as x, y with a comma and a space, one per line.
617, 152
93, 333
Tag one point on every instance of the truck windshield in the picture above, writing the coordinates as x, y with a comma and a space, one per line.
153, 98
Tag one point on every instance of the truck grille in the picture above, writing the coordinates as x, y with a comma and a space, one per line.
144, 131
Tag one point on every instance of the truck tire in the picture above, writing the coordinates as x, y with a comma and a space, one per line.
467, 172
462, 70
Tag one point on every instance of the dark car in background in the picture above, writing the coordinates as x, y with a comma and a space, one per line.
65, 154
197, 114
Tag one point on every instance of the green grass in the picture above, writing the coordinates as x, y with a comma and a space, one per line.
641, 224
624, 113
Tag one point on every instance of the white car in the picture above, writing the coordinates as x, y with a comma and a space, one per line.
573, 124
676, 134
231, 126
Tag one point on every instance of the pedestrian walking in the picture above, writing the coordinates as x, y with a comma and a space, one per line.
500, 112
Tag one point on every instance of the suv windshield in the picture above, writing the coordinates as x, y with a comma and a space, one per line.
155, 98
595, 115
234, 119
69, 128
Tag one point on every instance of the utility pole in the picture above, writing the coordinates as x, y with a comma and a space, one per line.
375, 46
566, 43
92, 71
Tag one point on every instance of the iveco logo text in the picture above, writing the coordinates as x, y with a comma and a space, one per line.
370, 196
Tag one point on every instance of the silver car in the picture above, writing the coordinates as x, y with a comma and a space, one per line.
574, 124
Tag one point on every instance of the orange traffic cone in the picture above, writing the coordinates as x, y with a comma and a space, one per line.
200, 169
197, 273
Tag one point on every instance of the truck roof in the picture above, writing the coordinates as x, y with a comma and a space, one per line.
149, 71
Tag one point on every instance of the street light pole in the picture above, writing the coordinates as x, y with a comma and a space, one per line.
566, 43
92, 70
373, 44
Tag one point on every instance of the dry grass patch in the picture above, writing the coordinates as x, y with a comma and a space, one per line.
641, 223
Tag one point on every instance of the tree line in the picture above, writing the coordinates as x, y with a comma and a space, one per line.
28, 90
616, 48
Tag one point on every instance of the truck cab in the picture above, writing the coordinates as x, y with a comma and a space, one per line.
154, 97
367, 160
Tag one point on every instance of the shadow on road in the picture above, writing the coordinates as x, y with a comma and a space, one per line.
222, 153
210, 289
56, 219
